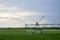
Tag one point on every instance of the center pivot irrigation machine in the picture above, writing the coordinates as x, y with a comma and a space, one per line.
37, 24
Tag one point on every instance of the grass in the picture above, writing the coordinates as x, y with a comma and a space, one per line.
26, 34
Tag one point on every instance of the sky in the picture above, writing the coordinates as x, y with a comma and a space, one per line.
16, 13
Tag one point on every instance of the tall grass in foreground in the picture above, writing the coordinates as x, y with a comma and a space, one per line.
26, 34
30, 37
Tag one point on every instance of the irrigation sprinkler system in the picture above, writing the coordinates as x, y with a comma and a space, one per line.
37, 23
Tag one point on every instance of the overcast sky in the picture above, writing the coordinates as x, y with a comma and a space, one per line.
25, 11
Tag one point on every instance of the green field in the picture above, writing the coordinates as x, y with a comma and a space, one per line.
27, 34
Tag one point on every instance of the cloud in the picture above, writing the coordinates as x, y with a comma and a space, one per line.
12, 11
8, 11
